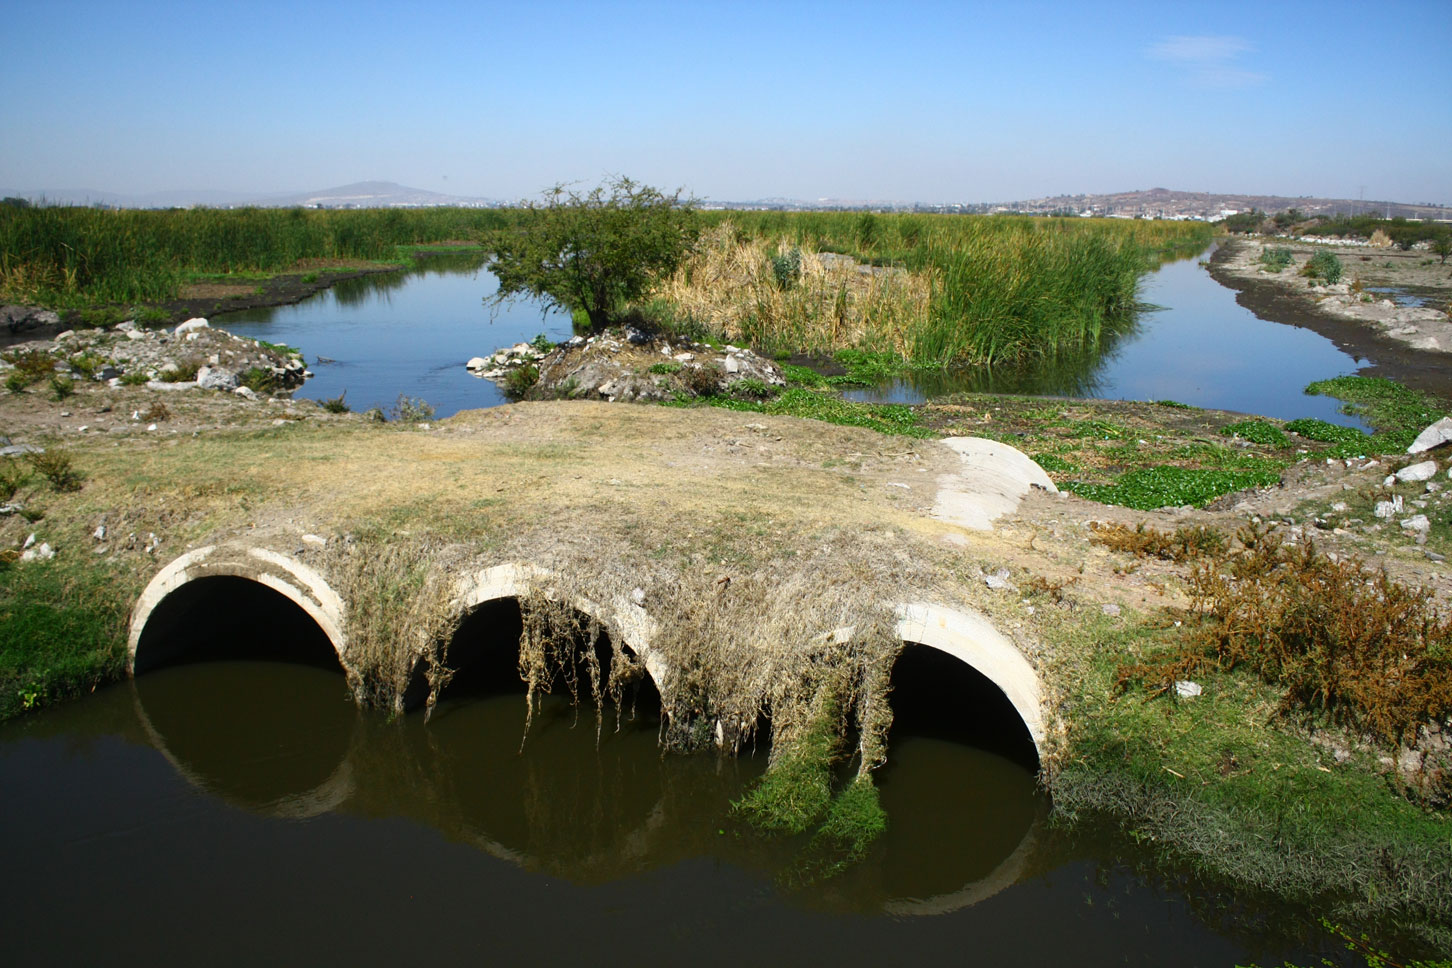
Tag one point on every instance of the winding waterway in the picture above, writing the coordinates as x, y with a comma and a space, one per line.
410, 333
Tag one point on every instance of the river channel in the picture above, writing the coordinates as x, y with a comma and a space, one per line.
410, 333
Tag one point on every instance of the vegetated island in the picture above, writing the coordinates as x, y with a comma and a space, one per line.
1337, 704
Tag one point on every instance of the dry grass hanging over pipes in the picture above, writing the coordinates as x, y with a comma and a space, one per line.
401, 614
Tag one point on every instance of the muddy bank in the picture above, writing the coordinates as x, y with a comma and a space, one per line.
1287, 301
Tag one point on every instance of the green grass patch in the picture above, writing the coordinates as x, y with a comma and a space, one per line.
1214, 782
1313, 429
62, 633
1055, 464
1156, 487
887, 418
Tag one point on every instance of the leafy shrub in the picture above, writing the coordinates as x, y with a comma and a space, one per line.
1324, 266
665, 369
12, 477
542, 343
411, 409
310, 277
786, 268
1257, 432
86, 364
56, 467
520, 381
1055, 464
1274, 260
61, 386
1330, 433
338, 404
133, 378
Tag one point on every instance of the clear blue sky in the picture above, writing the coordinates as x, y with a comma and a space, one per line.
905, 100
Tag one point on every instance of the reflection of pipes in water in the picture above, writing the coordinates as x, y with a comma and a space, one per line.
184, 728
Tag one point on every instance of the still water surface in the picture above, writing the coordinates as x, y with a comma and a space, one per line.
411, 333
246, 812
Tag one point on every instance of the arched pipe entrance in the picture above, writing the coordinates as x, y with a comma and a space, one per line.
295, 581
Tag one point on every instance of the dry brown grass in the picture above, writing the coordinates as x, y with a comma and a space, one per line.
729, 287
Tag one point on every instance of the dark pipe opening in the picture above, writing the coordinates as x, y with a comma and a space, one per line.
484, 652
226, 617
938, 695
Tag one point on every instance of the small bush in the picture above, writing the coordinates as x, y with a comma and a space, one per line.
665, 369
520, 381
61, 386
156, 413
16, 382
1183, 544
701, 381
12, 477
310, 277
411, 409
338, 404
1274, 260
786, 268
86, 364
1257, 432
134, 378
542, 343
1324, 266
56, 467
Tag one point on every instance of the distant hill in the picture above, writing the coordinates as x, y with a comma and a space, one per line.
371, 194
1167, 203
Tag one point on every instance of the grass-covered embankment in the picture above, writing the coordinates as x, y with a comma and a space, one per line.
931, 290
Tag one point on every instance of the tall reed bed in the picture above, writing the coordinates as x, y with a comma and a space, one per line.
946, 289
71, 256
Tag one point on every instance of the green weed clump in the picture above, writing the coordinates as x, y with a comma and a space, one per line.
1324, 266
338, 404
260, 379
1148, 488
30, 366
520, 381
1257, 432
57, 468
411, 409
1397, 413
1274, 260
1330, 433
886, 418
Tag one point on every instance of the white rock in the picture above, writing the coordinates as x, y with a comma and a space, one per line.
212, 378
1186, 689
246, 393
999, 581
42, 552
477, 363
1424, 471
151, 426
316, 540
60, 337
192, 325
1388, 509
1110, 609
100, 533
732, 366
638, 596
1432, 436
135, 334
1417, 522
29, 542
